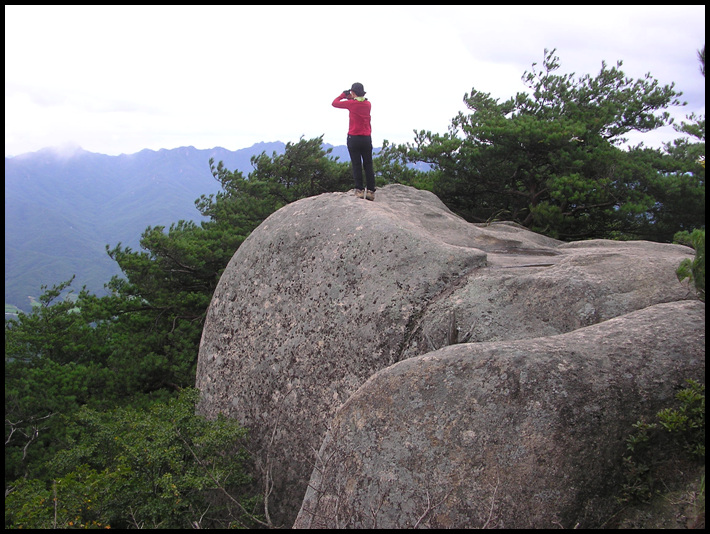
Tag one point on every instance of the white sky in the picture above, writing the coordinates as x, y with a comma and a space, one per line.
118, 79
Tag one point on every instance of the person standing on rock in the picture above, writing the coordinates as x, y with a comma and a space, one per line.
359, 137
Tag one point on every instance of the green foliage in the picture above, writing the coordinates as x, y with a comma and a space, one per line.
391, 166
550, 160
303, 170
54, 330
677, 433
35, 398
693, 270
55, 361
155, 468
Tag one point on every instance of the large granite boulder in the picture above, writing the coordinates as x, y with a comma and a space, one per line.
330, 290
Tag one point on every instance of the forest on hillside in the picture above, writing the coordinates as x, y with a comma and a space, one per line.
100, 426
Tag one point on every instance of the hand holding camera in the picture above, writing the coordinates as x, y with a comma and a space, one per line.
346, 93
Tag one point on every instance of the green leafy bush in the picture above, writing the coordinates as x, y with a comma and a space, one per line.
162, 467
693, 270
678, 433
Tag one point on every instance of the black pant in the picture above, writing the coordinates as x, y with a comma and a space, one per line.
360, 149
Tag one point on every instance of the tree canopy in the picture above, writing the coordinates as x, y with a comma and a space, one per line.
551, 158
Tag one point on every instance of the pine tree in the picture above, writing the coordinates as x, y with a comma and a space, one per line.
551, 158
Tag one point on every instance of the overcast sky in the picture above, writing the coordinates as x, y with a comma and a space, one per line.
118, 79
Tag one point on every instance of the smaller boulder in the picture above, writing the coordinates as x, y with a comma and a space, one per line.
511, 434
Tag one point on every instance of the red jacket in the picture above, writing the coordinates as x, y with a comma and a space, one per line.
359, 114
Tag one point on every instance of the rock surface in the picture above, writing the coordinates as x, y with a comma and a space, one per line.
331, 289
515, 434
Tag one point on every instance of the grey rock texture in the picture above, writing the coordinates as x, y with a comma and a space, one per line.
514, 434
330, 290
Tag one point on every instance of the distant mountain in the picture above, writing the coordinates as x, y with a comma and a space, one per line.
61, 211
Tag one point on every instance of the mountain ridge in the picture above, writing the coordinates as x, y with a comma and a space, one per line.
62, 207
